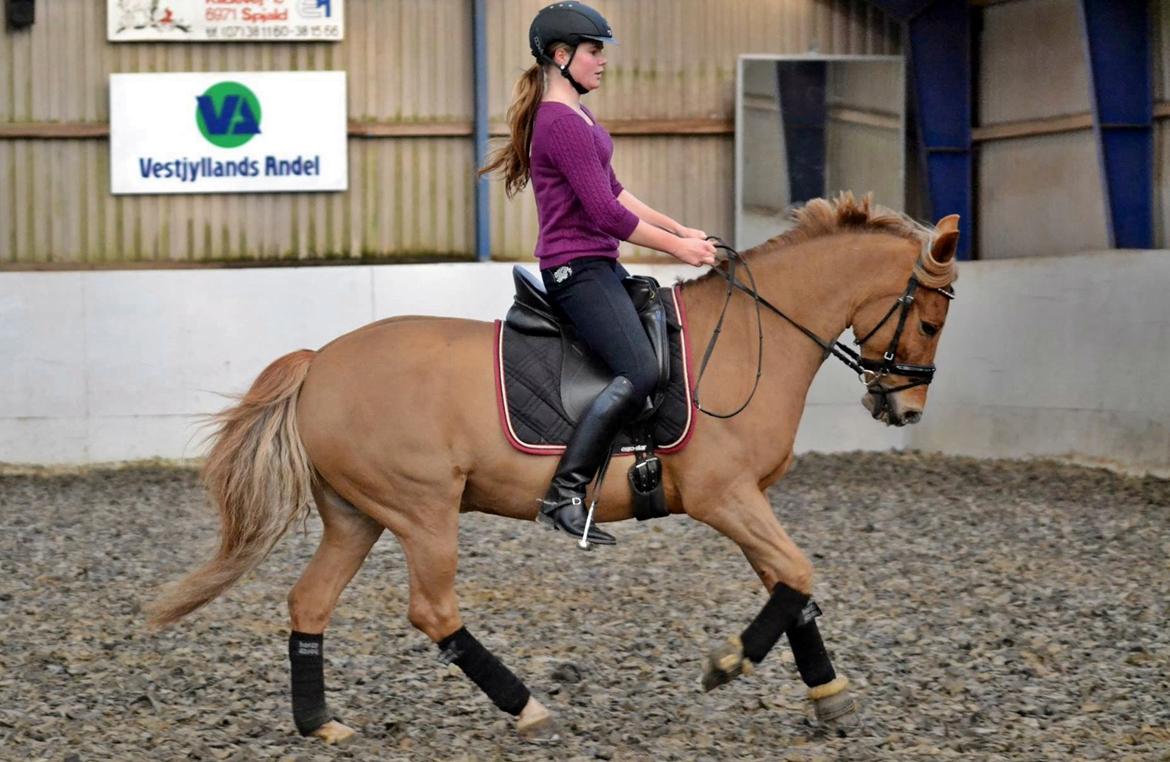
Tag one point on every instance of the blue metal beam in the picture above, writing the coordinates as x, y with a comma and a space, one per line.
940, 66
483, 231
1117, 35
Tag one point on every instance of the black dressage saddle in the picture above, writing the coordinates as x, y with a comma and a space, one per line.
549, 378
583, 374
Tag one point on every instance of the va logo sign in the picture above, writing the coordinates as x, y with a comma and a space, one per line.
228, 114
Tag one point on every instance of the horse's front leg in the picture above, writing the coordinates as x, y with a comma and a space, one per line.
745, 515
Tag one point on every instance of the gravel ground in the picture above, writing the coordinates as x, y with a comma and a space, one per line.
983, 610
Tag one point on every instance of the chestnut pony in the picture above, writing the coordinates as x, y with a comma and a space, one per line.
395, 426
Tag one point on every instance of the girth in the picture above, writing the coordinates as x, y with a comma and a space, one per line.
583, 374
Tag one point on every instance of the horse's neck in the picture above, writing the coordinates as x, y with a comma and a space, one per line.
819, 284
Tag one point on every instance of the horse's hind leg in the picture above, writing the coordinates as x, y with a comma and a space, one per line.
347, 539
431, 548
746, 517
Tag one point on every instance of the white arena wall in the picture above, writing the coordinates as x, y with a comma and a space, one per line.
1063, 357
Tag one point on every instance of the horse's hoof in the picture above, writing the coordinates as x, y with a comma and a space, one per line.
834, 706
333, 732
535, 721
725, 663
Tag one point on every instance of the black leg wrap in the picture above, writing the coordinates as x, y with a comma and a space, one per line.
812, 660
779, 614
308, 682
485, 670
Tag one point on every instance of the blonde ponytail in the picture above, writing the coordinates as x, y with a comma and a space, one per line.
511, 159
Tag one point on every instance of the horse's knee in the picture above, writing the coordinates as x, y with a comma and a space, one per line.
436, 619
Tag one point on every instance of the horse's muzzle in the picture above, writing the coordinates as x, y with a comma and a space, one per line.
884, 407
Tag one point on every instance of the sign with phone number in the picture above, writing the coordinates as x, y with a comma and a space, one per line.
225, 20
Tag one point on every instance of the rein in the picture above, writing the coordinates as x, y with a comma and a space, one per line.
870, 372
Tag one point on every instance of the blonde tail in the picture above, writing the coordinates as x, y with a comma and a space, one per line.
259, 477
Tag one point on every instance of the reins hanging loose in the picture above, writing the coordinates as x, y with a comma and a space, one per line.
733, 261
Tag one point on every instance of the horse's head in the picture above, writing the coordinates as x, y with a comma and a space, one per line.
898, 341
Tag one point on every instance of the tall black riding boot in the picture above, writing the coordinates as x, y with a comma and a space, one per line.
563, 506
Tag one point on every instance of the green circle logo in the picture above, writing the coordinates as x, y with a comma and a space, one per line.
228, 114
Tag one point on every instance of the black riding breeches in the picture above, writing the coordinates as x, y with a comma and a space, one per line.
590, 292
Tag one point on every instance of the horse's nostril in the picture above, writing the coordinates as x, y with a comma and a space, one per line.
913, 416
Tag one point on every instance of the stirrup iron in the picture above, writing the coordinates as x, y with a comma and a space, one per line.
584, 543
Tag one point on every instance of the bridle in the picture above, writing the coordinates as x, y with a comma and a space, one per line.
869, 371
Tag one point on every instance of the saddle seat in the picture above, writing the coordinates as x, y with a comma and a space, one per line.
583, 374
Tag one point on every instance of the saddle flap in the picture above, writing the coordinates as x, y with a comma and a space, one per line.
583, 376
646, 295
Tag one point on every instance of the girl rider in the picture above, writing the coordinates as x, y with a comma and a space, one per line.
584, 212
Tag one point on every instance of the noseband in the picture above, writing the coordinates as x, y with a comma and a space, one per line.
869, 371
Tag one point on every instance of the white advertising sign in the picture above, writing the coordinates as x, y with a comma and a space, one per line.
228, 132
225, 20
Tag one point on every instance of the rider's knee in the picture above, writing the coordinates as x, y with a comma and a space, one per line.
644, 378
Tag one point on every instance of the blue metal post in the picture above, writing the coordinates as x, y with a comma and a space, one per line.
483, 230
940, 64
1117, 36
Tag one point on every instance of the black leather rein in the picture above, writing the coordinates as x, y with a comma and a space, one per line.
869, 371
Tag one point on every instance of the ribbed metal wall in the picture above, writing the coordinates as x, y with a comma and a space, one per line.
1038, 195
408, 62
676, 61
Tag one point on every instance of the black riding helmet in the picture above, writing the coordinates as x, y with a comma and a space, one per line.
571, 23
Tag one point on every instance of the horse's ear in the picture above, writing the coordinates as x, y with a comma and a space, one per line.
944, 246
948, 223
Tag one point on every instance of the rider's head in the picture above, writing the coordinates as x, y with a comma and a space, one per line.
568, 37
555, 39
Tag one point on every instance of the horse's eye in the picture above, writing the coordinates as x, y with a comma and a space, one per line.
929, 329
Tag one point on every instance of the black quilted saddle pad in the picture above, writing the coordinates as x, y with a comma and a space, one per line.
528, 389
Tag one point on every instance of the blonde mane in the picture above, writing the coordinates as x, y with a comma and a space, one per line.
822, 217
846, 214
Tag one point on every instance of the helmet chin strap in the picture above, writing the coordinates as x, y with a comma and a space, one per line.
564, 70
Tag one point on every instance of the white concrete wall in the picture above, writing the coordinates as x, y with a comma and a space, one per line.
1063, 357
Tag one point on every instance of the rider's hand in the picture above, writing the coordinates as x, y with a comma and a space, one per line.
685, 232
694, 251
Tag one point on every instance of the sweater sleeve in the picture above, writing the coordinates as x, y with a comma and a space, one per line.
573, 152
614, 184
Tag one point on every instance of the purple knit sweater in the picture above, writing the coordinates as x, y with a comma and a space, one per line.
575, 187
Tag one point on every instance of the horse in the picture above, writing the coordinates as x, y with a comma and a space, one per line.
394, 426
